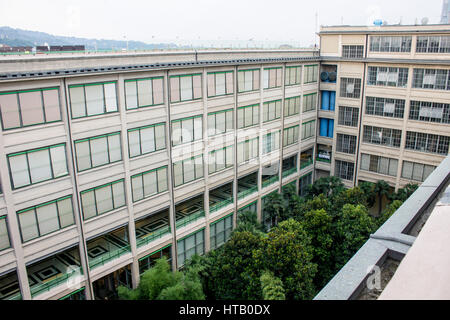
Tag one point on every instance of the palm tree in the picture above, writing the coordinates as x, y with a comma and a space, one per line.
381, 188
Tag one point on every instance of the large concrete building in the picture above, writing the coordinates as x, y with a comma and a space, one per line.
112, 160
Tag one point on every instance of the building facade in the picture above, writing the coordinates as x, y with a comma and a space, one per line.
112, 160
391, 111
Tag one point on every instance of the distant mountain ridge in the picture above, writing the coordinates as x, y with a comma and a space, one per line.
18, 37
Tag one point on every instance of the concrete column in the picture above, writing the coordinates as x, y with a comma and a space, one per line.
206, 158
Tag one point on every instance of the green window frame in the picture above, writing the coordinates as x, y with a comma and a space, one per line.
15, 115
245, 208
5, 242
45, 218
308, 129
220, 231
144, 92
195, 130
143, 187
248, 116
190, 245
272, 77
86, 159
219, 85
293, 75
271, 142
92, 203
25, 171
248, 80
309, 102
146, 139
291, 135
78, 293
82, 105
185, 87
272, 110
148, 261
248, 150
220, 159
292, 106
180, 169
311, 73
220, 122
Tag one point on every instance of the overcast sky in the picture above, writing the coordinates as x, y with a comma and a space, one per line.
201, 20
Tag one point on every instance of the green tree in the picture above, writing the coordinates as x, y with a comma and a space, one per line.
287, 253
274, 207
353, 228
248, 221
381, 188
292, 203
272, 287
403, 193
328, 186
318, 224
159, 283
368, 190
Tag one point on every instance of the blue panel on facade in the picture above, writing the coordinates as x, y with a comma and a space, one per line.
323, 127
332, 100
330, 128
325, 100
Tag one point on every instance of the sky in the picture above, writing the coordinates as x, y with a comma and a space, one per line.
199, 21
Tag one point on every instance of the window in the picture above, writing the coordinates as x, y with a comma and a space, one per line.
190, 245
188, 170
304, 182
306, 158
352, 51
429, 111
348, 116
248, 116
308, 129
103, 199
187, 130
29, 107
346, 143
271, 110
293, 75
436, 79
416, 171
272, 77
37, 165
98, 151
385, 107
248, 80
149, 261
149, 183
45, 218
326, 127
141, 93
220, 231
148, 139
344, 169
220, 159
252, 207
390, 44
220, 83
290, 135
379, 164
220, 122
309, 102
92, 99
433, 44
185, 87
291, 106
311, 73
4, 237
387, 76
247, 150
271, 142
350, 88
425, 142
382, 136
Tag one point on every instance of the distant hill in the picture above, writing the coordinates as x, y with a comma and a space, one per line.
18, 37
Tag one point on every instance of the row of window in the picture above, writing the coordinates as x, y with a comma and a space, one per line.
427, 44
378, 164
388, 76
